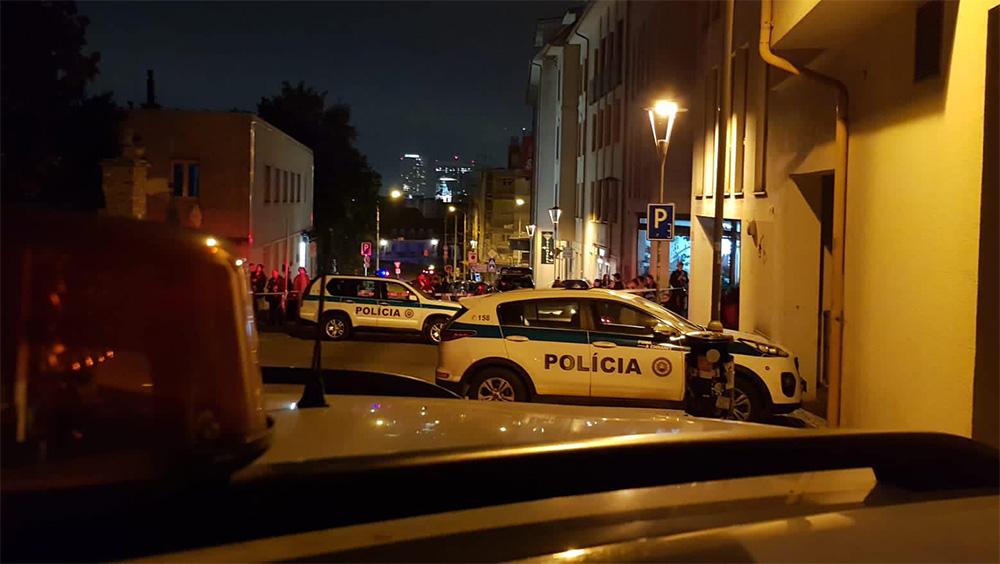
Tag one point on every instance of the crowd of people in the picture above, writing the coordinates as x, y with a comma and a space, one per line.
677, 291
282, 298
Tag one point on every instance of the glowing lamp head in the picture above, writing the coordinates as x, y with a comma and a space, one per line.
519, 201
451, 209
434, 242
395, 194
211, 242
665, 108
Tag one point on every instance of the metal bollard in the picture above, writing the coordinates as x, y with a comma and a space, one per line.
710, 374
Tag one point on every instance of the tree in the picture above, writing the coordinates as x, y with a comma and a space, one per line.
54, 135
345, 187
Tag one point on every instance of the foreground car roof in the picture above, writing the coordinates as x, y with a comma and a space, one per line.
364, 426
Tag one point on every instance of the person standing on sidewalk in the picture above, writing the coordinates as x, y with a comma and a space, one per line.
299, 286
258, 281
678, 290
275, 288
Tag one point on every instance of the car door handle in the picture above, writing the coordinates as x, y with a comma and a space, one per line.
384, 303
349, 301
517, 338
604, 344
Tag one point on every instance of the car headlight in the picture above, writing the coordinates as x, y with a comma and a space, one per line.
764, 348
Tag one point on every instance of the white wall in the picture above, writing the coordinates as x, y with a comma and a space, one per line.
277, 226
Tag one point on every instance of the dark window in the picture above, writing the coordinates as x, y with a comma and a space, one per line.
267, 184
342, 287
551, 314
927, 51
194, 179
178, 179
614, 317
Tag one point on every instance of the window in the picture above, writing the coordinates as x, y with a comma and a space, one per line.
760, 133
284, 186
593, 131
396, 291
551, 314
185, 178
366, 289
711, 130
178, 179
738, 133
616, 122
607, 127
298, 187
194, 179
927, 49
267, 184
341, 287
619, 52
615, 317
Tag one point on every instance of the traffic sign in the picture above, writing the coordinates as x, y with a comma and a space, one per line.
447, 268
492, 266
473, 257
368, 261
660, 222
366, 248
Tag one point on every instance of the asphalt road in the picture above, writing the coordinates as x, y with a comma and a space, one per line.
376, 352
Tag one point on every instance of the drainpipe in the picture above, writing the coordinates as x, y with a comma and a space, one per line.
836, 336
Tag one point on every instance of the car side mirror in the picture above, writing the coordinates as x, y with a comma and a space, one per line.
663, 332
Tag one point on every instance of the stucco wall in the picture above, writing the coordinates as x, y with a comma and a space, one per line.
913, 226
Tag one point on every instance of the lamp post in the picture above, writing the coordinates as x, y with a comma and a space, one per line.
661, 121
554, 214
454, 257
394, 195
530, 228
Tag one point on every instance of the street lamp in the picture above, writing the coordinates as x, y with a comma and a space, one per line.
555, 212
661, 122
393, 195
454, 257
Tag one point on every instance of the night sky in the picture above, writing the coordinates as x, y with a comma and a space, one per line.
436, 78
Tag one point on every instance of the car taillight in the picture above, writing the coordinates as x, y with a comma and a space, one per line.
452, 334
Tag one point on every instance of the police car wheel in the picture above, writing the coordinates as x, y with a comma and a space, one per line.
336, 327
434, 328
497, 384
747, 403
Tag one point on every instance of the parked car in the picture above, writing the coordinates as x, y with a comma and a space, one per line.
598, 345
364, 303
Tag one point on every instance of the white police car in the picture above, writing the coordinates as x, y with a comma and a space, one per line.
597, 345
360, 302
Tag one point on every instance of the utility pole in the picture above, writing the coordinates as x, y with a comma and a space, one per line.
721, 149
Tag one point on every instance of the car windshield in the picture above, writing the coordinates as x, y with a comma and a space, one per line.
250, 242
671, 318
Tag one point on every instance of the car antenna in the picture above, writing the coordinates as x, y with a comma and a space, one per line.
313, 394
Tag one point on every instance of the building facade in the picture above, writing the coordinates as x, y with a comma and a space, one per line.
906, 296
498, 213
229, 174
591, 84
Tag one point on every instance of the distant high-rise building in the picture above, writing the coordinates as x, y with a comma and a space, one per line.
449, 174
414, 176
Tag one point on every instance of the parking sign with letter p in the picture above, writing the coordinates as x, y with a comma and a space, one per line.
660, 222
